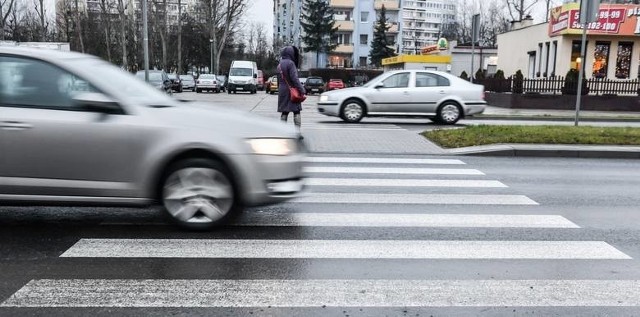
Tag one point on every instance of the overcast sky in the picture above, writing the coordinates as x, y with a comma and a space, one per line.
262, 11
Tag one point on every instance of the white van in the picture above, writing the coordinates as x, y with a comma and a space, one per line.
243, 76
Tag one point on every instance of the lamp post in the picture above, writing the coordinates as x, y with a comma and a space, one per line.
211, 48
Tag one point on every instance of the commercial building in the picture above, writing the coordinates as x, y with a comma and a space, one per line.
553, 48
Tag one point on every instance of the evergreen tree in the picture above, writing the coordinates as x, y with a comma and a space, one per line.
318, 24
381, 46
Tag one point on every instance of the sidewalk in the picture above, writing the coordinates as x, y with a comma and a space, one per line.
498, 113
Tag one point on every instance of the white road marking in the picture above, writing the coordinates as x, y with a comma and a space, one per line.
367, 182
422, 199
410, 220
326, 293
341, 249
395, 170
318, 159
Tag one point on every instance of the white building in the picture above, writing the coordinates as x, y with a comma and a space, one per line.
286, 22
423, 21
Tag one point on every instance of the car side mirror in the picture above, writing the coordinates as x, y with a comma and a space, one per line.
378, 86
255, 75
97, 102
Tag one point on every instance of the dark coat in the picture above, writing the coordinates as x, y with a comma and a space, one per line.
288, 68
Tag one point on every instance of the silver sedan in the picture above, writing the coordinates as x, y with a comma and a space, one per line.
77, 130
407, 93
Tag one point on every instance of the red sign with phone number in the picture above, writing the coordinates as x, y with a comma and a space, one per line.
609, 21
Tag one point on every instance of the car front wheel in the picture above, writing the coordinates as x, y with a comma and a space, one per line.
199, 194
352, 111
449, 113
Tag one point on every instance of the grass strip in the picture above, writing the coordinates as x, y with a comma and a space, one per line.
546, 134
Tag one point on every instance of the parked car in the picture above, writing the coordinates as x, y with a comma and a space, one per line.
188, 82
125, 143
436, 95
158, 79
222, 82
303, 80
314, 85
243, 76
176, 83
272, 85
335, 84
207, 82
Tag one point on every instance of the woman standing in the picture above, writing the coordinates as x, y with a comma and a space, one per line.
288, 76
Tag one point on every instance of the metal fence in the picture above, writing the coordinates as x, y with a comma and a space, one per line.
558, 85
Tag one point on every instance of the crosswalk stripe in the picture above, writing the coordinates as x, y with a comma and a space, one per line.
407, 199
341, 249
410, 220
318, 159
366, 182
326, 293
397, 171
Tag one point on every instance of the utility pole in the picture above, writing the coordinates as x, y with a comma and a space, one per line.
145, 40
589, 10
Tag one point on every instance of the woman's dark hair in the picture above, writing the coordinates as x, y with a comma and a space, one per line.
296, 56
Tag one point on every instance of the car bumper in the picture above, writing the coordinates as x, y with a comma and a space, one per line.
474, 108
271, 179
329, 108
247, 87
314, 89
207, 86
188, 86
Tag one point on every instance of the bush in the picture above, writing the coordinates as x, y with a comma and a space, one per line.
464, 75
480, 74
571, 83
518, 82
499, 74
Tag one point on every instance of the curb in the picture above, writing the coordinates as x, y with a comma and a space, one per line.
544, 118
527, 150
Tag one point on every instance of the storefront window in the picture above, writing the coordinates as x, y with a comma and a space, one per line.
575, 54
600, 59
623, 64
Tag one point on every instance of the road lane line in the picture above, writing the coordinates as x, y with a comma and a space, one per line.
342, 249
409, 220
319, 159
326, 293
395, 170
408, 199
367, 182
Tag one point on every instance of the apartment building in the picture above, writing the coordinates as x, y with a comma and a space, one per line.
423, 21
287, 29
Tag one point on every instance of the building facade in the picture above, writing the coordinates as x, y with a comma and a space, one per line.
553, 48
423, 22
287, 15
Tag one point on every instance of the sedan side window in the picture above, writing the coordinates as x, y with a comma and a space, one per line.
36, 84
400, 80
431, 80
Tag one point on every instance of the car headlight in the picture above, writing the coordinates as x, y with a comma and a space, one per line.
324, 98
279, 147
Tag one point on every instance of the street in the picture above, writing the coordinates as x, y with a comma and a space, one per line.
385, 228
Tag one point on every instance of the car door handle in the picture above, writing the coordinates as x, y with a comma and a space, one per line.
442, 92
14, 125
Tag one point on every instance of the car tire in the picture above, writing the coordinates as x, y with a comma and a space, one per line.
199, 194
352, 111
449, 113
198, 91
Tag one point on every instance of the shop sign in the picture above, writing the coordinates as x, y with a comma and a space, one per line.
431, 49
613, 19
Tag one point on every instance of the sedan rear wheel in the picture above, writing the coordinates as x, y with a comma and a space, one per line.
199, 194
352, 111
449, 113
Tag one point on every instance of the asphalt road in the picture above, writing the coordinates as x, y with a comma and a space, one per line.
374, 235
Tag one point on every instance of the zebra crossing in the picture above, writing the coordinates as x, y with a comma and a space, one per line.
384, 186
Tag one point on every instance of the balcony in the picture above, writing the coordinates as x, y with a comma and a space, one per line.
342, 3
394, 28
344, 49
390, 5
344, 26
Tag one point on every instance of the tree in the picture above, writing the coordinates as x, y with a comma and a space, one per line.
318, 23
123, 32
381, 47
519, 9
42, 16
5, 9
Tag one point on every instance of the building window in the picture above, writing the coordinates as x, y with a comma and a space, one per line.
363, 61
539, 60
600, 59
364, 39
364, 16
555, 58
546, 65
576, 60
623, 63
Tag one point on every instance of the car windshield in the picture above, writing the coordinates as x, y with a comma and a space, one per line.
129, 87
172, 76
207, 76
314, 81
240, 72
186, 78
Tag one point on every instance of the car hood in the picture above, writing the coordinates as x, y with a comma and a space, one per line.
239, 124
346, 91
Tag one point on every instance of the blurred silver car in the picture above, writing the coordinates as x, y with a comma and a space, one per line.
442, 97
116, 140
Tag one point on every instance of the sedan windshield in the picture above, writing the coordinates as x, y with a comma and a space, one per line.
207, 76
